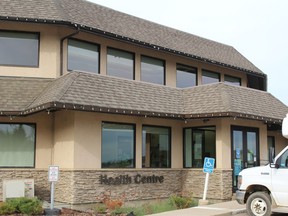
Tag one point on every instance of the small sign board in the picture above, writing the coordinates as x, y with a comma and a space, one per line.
53, 174
208, 165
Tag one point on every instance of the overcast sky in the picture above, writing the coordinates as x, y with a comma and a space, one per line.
258, 29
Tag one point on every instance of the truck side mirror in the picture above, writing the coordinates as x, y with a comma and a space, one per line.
274, 166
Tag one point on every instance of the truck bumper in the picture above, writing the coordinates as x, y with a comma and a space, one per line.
240, 195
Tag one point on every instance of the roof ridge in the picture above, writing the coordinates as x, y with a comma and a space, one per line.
54, 97
73, 76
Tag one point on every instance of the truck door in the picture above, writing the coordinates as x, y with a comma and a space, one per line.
279, 180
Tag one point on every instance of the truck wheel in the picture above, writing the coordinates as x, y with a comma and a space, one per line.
259, 204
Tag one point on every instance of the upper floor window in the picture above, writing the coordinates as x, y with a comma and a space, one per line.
152, 70
118, 145
257, 82
186, 76
210, 77
83, 56
120, 63
156, 147
17, 145
19, 49
232, 80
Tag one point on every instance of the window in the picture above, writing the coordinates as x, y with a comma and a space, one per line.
232, 80
156, 151
83, 56
17, 145
198, 144
257, 82
282, 161
152, 70
210, 77
19, 49
118, 145
186, 76
120, 63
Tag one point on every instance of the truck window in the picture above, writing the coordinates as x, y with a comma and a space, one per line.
283, 160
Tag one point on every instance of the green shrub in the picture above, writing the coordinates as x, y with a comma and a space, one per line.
6, 209
181, 202
29, 206
100, 208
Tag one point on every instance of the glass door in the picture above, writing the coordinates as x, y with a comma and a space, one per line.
245, 151
198, 138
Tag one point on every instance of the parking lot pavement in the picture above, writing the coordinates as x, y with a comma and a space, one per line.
219, 209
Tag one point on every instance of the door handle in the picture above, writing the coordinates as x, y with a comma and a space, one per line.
245, 164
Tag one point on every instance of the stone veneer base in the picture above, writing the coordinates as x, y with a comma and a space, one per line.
84, 186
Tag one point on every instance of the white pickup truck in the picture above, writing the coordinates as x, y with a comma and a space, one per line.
260, 188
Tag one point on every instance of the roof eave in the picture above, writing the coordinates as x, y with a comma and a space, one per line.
56, 106
127, 39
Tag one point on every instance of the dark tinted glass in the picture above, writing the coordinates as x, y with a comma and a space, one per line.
186, 76
118, 141
210, 77
156, 151
198, 144
83, 56
19, 49
232, 80
152, 70
120, 64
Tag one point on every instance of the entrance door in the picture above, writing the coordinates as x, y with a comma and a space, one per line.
245, 151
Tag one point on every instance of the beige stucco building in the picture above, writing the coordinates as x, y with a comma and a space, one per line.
125, 106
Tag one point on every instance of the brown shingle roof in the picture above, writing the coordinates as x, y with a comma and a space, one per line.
93, 92
111, 92
93, 17
16, 94
223, 98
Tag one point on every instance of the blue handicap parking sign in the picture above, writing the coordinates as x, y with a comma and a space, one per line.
208, 165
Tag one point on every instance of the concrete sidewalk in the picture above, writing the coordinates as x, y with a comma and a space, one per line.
223, 209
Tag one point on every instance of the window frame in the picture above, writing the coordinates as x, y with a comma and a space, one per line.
38, 50
169, 145
233, 77
164, 71
121, 50
35, 141
187, 66
134, 144
88, 42
209, 71
184, 146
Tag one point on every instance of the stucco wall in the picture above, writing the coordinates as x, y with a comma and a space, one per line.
44, 136
50, 55
64, 139
49, 51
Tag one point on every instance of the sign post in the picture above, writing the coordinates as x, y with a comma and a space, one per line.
53, 177
208, 168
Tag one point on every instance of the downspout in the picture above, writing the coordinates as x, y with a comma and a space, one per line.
61, 73
61, 47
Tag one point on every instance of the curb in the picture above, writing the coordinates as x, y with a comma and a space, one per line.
239, 211
232, 212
